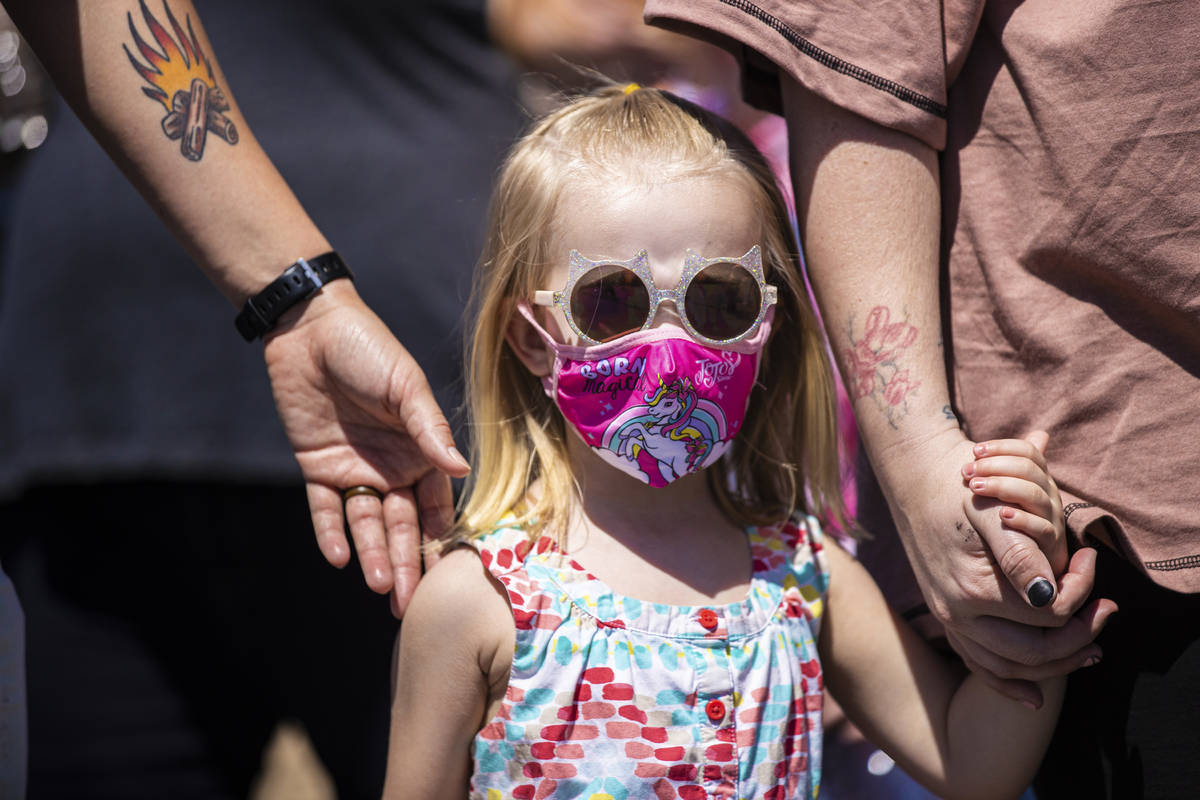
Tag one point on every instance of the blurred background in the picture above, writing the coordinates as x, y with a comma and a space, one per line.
388, 120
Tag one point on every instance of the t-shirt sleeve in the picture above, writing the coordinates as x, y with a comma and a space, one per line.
891, 62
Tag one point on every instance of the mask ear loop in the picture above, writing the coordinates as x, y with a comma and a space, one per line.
549, 382
526, 311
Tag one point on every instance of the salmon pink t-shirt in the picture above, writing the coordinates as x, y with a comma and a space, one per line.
1069, 134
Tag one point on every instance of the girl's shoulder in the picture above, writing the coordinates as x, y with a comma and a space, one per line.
458, 605
792, 555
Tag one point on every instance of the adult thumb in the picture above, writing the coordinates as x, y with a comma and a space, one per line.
425, 423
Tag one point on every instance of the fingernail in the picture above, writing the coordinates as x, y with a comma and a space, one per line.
978, 483
1032, 706
1092, 661
1008, 513
979, 449
1040, 592
969, 469
457, 456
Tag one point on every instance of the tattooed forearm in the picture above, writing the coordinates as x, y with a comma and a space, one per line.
181, 79
873, 363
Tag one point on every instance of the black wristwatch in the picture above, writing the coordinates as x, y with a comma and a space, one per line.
298, 282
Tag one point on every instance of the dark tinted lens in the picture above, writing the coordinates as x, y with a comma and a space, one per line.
723, 301
609, 301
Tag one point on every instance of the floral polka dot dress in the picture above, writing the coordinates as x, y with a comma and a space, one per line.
613, 698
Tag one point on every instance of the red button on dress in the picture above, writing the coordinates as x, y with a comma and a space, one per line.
708, 618
715, 710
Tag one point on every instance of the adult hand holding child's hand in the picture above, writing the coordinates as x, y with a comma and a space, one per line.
980, 556
359, 412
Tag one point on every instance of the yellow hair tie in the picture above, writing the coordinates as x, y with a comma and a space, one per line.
630, 88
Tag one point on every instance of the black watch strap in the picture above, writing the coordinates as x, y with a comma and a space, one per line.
298, 282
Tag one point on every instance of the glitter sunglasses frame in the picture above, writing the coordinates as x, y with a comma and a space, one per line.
639, 265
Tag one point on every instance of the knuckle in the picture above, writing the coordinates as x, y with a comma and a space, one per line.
327, 522
329, 537
355, 514
1018, 559
405, 561
949, 615
403, 532
369, 548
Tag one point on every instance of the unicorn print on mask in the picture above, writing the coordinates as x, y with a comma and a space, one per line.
656, 404
671, 434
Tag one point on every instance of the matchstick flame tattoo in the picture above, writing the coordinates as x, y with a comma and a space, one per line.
181, 78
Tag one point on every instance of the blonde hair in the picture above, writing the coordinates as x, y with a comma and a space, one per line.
784, 459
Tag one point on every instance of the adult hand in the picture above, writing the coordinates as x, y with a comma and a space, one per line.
975, 574
359, 412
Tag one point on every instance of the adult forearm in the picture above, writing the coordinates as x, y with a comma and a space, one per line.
146, 82
354, 404
869, 211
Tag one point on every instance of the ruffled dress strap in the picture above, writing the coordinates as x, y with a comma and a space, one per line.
792, 556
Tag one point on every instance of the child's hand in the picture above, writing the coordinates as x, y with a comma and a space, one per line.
1013, 471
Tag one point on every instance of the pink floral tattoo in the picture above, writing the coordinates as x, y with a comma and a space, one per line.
872, 363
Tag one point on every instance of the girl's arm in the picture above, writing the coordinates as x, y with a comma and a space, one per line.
454, 654
948, 730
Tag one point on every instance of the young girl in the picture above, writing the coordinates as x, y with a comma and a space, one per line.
636, 614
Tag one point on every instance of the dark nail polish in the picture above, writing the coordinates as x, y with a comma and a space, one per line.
1040, 592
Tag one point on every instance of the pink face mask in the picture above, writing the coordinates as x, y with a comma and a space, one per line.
655, 404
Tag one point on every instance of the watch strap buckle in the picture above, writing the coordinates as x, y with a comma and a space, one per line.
299, 282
